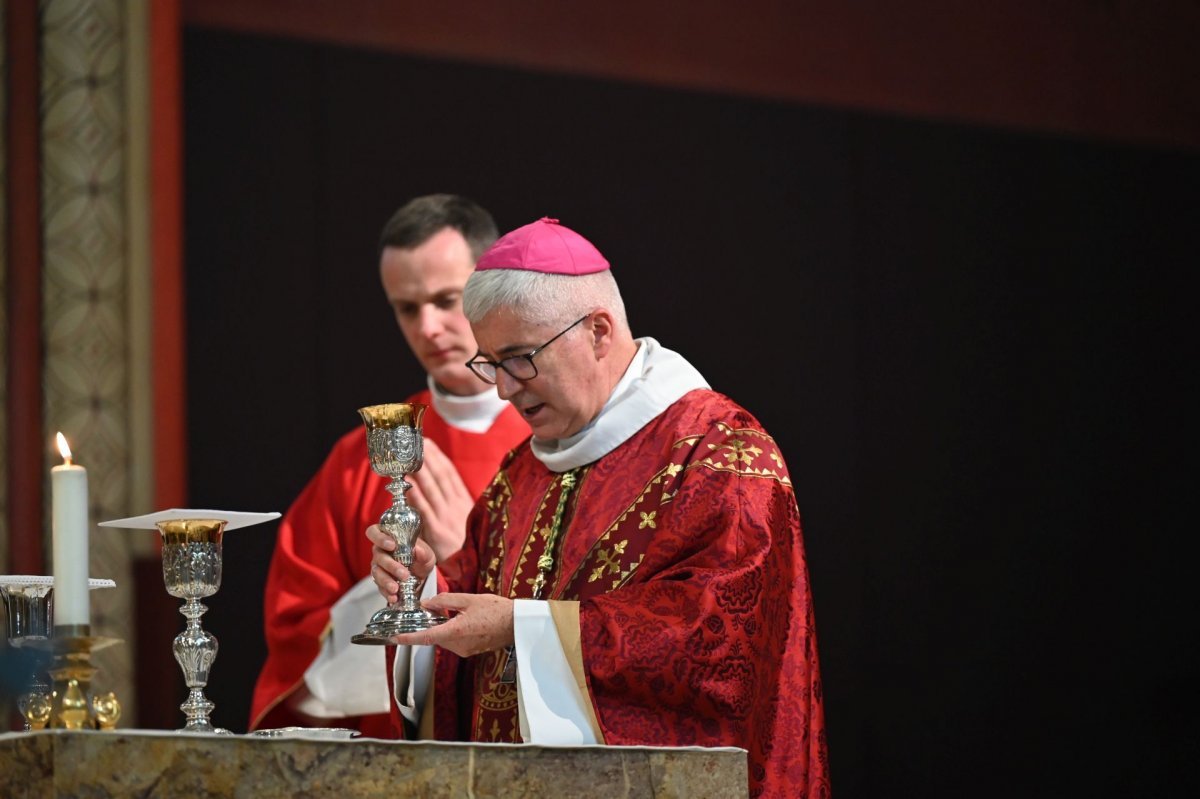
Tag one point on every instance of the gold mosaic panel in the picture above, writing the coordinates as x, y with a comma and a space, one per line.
85, 274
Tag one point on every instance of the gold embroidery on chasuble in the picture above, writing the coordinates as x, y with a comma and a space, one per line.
498, 496
525, 571
616, 555
490, 725
611, 561
751, 453
496, 716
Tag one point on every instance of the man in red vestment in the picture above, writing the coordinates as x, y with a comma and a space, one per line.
635, 573
318, 593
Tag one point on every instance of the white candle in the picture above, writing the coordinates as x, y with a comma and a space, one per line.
68, 484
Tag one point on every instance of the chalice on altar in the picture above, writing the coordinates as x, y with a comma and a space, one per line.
191, 555
396, 449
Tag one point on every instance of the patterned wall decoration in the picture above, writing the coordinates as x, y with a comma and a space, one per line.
3, 297
85, 305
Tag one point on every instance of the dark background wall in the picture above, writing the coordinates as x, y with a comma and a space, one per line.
968, 342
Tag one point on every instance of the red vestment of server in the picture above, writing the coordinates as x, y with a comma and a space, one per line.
683, 550
322, 551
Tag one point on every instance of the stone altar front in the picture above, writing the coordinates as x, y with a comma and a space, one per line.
49, 764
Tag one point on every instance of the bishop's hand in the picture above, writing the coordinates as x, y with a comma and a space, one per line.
387, 572
478, 623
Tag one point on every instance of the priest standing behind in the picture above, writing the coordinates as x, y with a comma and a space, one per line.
635, 573
318, 591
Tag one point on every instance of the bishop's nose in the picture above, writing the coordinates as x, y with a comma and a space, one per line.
507, 386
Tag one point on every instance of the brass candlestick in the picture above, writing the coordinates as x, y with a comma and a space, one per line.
71, 673
396, 449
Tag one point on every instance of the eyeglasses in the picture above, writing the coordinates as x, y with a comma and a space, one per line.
520, 367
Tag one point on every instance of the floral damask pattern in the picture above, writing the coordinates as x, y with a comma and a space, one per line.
684, 552
85, 273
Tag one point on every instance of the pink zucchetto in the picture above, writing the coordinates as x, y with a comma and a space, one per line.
544, 246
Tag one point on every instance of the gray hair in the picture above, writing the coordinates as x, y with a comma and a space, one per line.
543, 299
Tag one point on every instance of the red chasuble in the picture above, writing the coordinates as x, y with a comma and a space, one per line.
683, 550
321, 552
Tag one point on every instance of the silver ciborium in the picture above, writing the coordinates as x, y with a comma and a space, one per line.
28, 606
62, 652
191, 556
395, 447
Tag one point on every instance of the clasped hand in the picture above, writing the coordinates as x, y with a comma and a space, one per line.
478, 622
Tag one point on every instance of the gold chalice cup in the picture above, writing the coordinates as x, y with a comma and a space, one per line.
395, 447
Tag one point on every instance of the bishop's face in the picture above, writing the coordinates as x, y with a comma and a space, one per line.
569, 389
424, 286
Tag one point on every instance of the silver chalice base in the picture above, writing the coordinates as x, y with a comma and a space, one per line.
396, 621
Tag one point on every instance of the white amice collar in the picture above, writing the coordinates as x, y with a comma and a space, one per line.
475, 413
655, 379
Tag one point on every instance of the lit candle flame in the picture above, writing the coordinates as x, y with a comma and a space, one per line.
64, 449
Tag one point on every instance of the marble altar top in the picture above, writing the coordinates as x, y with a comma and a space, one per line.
129, 763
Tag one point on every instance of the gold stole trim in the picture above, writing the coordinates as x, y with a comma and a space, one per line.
565, 614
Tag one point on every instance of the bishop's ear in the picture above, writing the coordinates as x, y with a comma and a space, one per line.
601, 329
